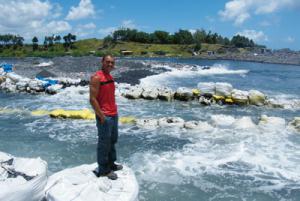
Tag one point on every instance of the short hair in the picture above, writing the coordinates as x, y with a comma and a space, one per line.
107, 55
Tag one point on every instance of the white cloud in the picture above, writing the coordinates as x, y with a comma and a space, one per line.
85, 29
128, 24
30, 18
257, 36
85, 9
241, 10
107, 31
290, 39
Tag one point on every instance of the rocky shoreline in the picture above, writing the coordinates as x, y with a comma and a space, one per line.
292, 58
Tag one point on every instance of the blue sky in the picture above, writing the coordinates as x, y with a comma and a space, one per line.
269, 22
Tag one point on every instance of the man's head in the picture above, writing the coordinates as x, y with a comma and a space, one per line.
108, 63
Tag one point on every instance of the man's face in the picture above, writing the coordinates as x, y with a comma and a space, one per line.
108, 64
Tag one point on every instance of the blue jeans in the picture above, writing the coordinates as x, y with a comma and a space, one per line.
107, 138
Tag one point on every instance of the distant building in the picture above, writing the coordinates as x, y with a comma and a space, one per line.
126, 52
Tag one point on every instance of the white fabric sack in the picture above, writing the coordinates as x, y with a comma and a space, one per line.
19, 189
80, 184
207, 87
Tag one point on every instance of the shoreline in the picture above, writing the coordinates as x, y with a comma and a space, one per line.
269, 59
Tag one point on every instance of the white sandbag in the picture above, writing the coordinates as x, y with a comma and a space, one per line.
222, 121
256, 98
240, 97
244, 123
184, 94
207, 87
36, 85
147, 123
223, 89
171, 122
8, 86
166, 94
198, 125
53, 89
27, 181
80, 184
14, 77
134, 93
150, 93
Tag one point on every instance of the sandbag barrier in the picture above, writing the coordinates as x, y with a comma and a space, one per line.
216, 120
206, 93
22, 179
13, 83
219, 121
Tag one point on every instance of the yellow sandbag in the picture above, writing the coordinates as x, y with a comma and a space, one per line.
40, 112
229, 101
196, 92
73, 114
127, 120
218, 98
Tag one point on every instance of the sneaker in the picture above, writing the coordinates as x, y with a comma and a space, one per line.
111, 175
116, 167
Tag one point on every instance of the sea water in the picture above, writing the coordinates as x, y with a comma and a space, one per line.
219, 162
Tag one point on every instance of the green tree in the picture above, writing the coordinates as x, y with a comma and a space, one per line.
162, 37
35, 45
183, 37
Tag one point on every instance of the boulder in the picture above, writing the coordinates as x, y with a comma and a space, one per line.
183, 94
256, 98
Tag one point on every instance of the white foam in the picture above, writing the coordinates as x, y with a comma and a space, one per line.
45, 64
186, 72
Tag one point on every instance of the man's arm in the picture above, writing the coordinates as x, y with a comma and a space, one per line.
94, 90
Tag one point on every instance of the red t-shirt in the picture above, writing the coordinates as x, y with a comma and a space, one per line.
106, 94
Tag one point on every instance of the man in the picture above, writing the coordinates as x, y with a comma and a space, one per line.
102, 99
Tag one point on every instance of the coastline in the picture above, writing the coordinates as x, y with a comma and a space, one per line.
268, 59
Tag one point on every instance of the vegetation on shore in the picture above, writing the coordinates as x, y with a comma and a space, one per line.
126, 42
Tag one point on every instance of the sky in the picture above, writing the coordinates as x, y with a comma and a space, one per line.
268, 22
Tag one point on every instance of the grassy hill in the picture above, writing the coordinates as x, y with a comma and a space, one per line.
95, 47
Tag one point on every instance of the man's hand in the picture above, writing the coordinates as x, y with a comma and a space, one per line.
102, 118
